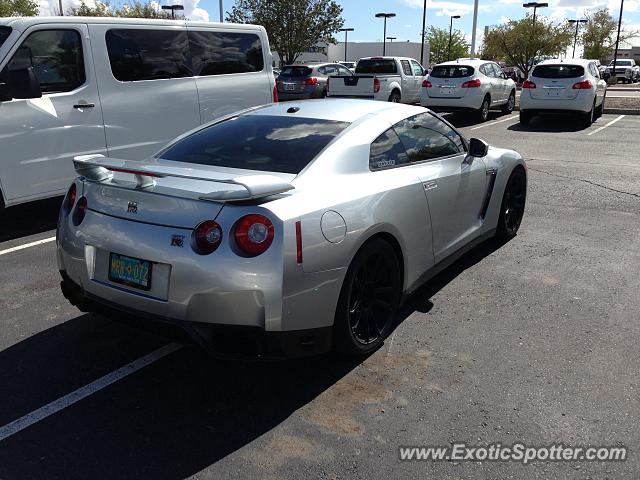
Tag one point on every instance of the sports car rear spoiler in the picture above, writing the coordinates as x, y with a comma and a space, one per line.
98, 168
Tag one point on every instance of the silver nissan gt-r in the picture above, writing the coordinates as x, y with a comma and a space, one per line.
286, 229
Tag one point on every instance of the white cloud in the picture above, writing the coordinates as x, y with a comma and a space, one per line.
52, 7
445, 7
192, 11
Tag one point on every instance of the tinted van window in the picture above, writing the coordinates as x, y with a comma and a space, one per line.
558, 71
425, 138
56, 58
380, 66
4, 34
257, 142
219, 53
142, 54
451, 71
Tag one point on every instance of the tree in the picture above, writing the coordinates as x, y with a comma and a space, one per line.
438, 40
599, 35
18, 8
518, 44
133, 9
293, 26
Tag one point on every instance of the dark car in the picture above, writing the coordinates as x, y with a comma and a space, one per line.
309, 80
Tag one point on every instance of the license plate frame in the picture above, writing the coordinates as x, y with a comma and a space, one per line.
126, 274
289, 87
446, 90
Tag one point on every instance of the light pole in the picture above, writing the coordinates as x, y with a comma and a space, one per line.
615, 53
424, 19
61, 11
384, 35
221, 17
391, 39
173, 8
345, 30
450, 29
575, 39
535, 6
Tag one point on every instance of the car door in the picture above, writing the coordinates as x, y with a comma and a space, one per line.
501, 81
146, 86
454, 183
40, 136
408, 82
418, 73
494, 87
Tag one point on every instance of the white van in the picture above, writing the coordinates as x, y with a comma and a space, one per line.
121, 87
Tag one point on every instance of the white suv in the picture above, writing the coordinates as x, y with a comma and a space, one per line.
570, 87
468, 85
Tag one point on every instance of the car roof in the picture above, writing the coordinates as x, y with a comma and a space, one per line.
564, 61
336, 109
380, 57
21, 23
310, 64
465, 61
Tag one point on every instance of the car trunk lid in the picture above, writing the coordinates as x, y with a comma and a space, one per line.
555, 82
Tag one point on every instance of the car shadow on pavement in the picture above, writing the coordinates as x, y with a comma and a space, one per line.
173, 418
551, 124
469, 119
29, 219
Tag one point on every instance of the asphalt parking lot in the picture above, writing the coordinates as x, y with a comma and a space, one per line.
534, 341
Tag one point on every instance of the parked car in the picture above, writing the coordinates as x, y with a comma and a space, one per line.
468, 85
122, 86
350, 65
626, 70
309, 80
276, 72
296, 226
570, 87
393, 79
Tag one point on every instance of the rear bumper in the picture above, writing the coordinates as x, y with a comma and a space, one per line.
581, 104
307, 94
227, 341
472, 100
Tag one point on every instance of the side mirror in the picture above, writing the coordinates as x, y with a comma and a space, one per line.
478, 148
23, 84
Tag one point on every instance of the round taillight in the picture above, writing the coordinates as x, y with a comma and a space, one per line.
253, 234
206, 237
70, 200
80, 211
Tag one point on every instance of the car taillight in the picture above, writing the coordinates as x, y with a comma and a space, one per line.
426, 84
206, 237
584, 85
253, 234
311, 81
528, 84
80, 211
475, 83
299, 242
70, 199
376, 85
275, 92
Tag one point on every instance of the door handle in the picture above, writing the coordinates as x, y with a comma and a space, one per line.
84, 105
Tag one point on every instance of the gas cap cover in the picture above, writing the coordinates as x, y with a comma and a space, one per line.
333, 226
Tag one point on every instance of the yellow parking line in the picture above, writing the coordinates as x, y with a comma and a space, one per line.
607, 125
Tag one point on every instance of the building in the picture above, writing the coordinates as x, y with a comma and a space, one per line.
323, 52
624, 53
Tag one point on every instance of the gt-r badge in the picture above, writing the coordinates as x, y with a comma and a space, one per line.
177, 241
132, 207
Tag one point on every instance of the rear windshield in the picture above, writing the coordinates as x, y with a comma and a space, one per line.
558, 71
257, 142
623, 63
4, 34
451, 71
377, 66
295, 72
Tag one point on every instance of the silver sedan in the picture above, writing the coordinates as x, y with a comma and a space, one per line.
287, 229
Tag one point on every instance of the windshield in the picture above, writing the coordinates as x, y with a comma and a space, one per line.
4, 34
377, 65
558, 71
451, 71
257, 142
295, 72
625, 63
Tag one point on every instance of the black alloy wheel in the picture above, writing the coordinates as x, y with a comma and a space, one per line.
513, 203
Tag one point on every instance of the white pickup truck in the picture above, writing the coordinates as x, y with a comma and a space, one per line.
393, 79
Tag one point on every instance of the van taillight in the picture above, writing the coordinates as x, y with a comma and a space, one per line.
376, 85
253, 234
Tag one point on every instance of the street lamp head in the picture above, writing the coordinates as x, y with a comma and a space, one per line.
455, 16
385, 15
346, 29
172, 7
535, 5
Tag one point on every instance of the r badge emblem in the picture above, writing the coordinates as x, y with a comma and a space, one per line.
177, 241
132, 207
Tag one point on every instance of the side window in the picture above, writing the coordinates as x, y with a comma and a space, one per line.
387, 152
330, 70
425, 137
487, 70
497, 71
417, 69
219, 53
406, 68
344, 71
56, 58
142, 54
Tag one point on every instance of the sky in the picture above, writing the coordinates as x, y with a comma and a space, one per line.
359, 14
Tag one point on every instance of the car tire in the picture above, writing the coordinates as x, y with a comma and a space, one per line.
525, 117
394, 97
588, 118
369, 300
512, 206
508, 107
483, 111
600, 109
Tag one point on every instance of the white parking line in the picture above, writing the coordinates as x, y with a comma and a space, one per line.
27, 245
83, 392
607, 125
512, 117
